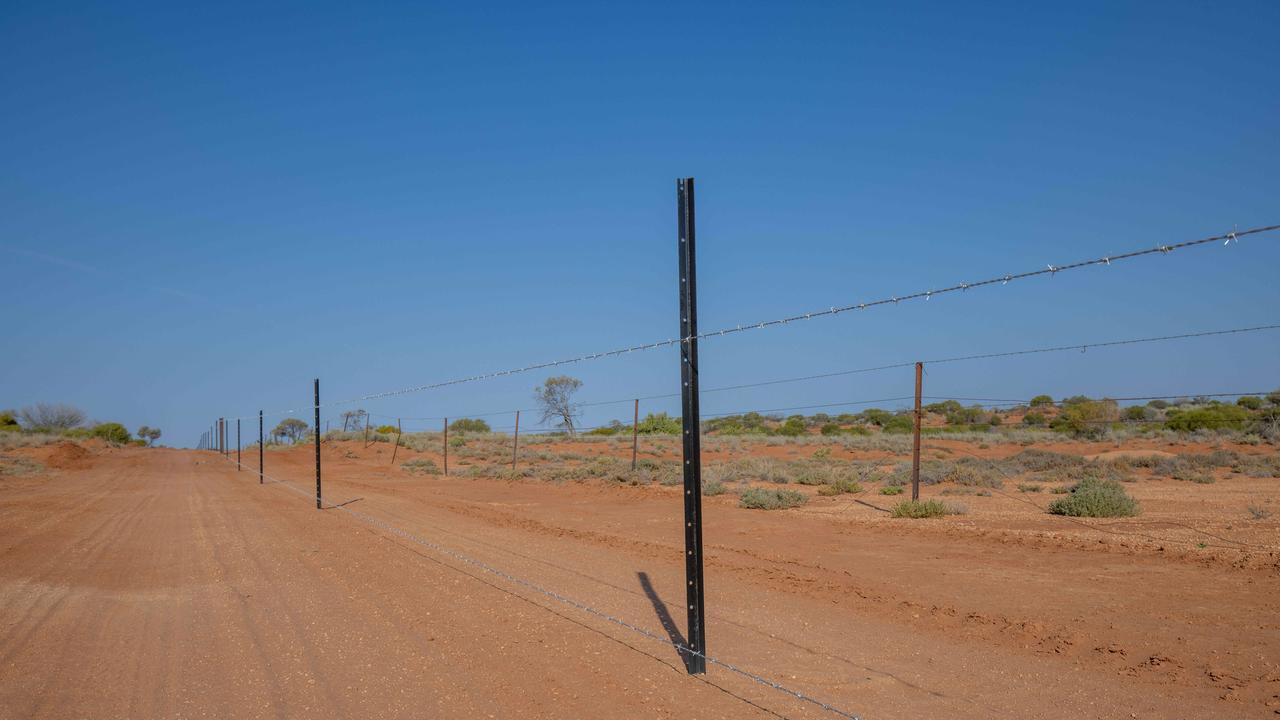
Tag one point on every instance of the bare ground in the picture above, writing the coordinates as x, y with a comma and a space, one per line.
152, 583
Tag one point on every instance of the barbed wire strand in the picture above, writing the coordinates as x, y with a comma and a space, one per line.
461, 557
1049, 269
893, 366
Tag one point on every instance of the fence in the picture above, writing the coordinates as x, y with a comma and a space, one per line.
690, 394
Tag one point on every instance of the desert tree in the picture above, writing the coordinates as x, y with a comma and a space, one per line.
51, 417
291, 428
352, 419
555, 398
148, 433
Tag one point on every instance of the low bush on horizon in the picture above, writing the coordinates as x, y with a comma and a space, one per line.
770, 499
1093, 497
469, 425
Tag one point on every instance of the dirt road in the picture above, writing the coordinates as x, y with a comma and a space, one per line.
165, 584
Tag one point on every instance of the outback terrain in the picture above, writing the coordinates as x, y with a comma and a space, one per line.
141, 582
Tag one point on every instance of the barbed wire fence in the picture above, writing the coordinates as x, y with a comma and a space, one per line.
694, 649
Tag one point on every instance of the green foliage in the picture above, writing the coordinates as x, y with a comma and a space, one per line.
1158, 404
966, 415
793, 427
469, 425
8, 418
425, 466
1033, 419
831, 429
1092, 497
769, 499
1135, 412
660, 424
891, 490
292, 429
947, 407
1273, 397
387, 430
1249, 402
1041, 401
1211, 417
1087, 418
840, 484
148, 435
923, 509
712, 488
112, 432
899, 424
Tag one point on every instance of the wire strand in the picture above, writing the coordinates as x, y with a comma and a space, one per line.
1049, 269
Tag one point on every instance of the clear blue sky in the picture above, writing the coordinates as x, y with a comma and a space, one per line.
201, 209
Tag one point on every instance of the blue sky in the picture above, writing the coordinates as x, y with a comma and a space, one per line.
201, 209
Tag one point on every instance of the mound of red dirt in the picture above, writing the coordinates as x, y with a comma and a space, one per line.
67, 456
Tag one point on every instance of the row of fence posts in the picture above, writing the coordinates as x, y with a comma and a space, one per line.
691, 461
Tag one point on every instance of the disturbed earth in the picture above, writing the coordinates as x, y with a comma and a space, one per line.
155, 583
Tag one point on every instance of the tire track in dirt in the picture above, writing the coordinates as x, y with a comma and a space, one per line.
89, 548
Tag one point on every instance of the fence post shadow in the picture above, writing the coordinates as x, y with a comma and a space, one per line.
664, 617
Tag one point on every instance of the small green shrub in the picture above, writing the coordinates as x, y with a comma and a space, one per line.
1092, 497
1213, 417
112, 432
891, 490
387, 430
659, 424
425, 466
769, 499
813, 476
924, 509
1030, 487
713, 488
1041, 401
469, 425
1033, 419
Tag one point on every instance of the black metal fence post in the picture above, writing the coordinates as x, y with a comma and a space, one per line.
915, 445
238, 466
260, 447
635, 433
318, 496
446, 447
695, 660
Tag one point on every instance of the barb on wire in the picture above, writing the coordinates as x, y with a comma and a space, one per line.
833, 310
891, 366
467, 559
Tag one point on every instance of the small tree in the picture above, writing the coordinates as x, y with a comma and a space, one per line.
51, 417
149, 434
1041, 401
291, 428
1249, 402
1087, 418
555, 398
352, 419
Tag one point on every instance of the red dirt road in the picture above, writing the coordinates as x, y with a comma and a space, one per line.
164, 584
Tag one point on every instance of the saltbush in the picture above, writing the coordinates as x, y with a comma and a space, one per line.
769, 499
1092, 497
924, 509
